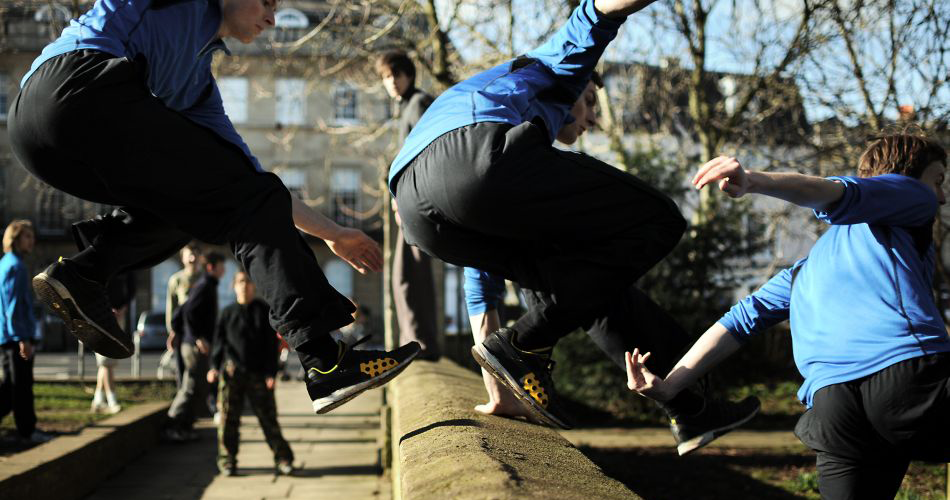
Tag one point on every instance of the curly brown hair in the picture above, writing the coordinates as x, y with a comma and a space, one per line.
905, 154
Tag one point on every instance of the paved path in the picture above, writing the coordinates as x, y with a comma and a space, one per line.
338, 456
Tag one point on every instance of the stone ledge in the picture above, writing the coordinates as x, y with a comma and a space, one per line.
443, 449
72, 466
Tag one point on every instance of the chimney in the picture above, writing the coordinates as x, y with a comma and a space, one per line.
906, 113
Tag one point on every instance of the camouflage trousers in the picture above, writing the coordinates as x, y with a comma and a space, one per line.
235, 383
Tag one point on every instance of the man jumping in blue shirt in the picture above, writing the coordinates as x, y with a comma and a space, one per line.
867, 335
122, 109
479, 184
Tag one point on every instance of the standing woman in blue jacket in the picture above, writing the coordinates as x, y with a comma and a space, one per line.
479, 184
867, 335
123, 110
17, 331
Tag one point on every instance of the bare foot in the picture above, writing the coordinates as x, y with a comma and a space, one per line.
500, 410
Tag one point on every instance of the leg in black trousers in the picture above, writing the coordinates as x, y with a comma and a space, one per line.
414, 297
86, 124
566, 226
16, 389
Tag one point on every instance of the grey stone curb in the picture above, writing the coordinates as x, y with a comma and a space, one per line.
443, 449
70, 467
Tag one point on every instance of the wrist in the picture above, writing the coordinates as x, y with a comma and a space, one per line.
757, 181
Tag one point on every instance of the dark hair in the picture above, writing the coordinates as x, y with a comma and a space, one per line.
597, 79
212, 258
905, 154
398, 62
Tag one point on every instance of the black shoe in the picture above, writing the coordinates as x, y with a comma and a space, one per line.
227, 469
715, 419
526, 374
84, 307
355, 372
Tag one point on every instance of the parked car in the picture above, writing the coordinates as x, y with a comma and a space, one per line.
151, 334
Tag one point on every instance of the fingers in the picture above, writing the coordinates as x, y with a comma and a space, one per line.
716, 169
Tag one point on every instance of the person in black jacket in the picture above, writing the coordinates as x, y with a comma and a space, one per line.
244, 359
195, 319
413, 284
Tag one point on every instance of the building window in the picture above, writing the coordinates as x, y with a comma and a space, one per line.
340, 276
234, 92
456, 313
291, 101
296, 181
344, 104
4, 95
51, 213
290, 18
345, 196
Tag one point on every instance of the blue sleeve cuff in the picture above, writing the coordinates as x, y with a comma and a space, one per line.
483, 291
599, 19
841, 206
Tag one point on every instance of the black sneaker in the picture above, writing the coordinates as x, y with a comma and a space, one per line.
84, 307
716, 418
355, 372
227, 468
526, 374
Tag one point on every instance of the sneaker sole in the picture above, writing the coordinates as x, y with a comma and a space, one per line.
491, 364
698, 442
52, 293
344, 395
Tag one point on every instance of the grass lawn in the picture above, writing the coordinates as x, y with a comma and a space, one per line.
63, 408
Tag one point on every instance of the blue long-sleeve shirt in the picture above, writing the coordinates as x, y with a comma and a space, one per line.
862, 298
17, 322
541, 86
177, 39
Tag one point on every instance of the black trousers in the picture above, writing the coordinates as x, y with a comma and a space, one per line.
414, 297
86, 124
16, 388
866, 431
574, 232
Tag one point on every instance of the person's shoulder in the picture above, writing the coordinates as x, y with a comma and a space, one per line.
11, 261
420, 98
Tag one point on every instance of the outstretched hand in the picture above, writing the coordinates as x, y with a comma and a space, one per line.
641, 379
732, 178
357, 249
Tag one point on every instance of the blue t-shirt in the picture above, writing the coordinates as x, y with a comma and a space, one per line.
177, 39
862, 298
542, 86
17, 322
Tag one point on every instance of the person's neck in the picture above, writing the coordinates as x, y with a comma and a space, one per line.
407, 94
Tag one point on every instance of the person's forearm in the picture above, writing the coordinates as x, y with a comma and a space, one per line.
312, 222
711, 349
803, 190
620, 8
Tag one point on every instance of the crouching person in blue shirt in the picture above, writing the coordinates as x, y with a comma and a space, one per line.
480, 185
867, 335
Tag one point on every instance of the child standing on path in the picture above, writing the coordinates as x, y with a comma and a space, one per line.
244, 358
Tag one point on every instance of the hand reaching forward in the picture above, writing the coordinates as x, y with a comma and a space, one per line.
641, 379
733, 180
357, 249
